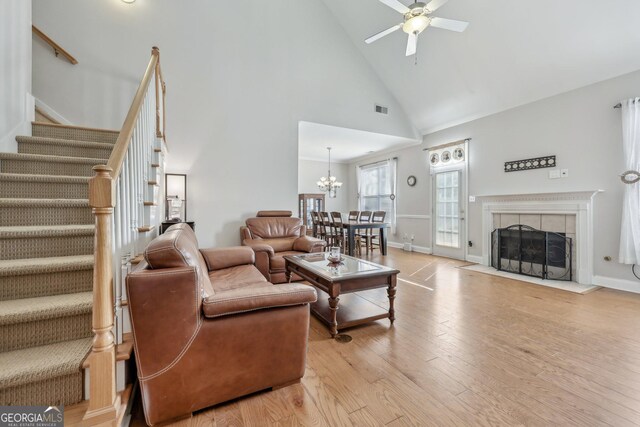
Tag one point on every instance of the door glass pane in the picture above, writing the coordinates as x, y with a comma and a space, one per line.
447, 209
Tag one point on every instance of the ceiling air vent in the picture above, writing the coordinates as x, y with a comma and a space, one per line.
382, 110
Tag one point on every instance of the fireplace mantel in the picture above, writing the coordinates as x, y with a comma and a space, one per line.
578, 203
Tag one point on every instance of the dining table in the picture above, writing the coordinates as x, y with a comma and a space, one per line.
352, 226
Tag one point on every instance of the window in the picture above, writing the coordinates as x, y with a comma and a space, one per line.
377, 188
447, 208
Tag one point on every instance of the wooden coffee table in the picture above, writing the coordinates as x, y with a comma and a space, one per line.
334, 280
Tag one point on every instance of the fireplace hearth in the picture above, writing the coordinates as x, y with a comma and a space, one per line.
525, 250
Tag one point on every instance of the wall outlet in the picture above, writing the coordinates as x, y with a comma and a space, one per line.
472, 199
413, 236
554, 174
564, 173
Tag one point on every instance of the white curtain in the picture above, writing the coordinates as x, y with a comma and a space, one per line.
630, 231
358, 187
393, 167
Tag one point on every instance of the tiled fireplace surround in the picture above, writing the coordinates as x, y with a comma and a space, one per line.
569, 212
557, 223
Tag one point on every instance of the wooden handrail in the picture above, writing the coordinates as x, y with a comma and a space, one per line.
104, 402
57, 49
124, 138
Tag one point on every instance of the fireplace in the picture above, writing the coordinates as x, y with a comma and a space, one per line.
525, 250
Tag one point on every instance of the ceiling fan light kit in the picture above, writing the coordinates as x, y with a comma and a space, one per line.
416, 19
416, 24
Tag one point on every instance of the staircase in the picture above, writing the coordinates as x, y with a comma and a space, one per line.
46, 262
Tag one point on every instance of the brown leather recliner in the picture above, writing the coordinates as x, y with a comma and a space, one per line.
208, 327
274, 234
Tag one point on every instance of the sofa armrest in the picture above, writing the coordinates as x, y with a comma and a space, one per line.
263, 254
309, 244
219, 258
259, 246
165, 310
250, 299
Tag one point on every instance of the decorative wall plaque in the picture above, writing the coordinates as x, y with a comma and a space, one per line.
526, 164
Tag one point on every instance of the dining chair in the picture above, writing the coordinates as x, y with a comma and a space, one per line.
365, 216
327, 229
364, 235
338, 230
354, 215
377, 217
315, 222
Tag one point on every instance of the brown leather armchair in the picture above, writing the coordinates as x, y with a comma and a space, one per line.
274, 234
208, 327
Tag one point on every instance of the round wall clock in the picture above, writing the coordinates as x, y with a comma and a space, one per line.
411, 181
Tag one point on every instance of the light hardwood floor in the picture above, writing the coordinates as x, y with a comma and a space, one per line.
466, 349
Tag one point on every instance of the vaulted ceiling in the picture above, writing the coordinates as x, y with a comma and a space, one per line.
513, 52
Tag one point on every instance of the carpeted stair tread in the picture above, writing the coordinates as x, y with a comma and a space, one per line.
44, 178
63, 147
20, 267
45, 186
78, 133
50, 159
38, 364
43, 203
61, 141
43, 308
30, 231
73, 127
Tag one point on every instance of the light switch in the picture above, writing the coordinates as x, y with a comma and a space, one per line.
564, 173
554, 174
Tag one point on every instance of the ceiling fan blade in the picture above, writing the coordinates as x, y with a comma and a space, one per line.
412, 43
449, 24
434, 5
383, 33
395, 4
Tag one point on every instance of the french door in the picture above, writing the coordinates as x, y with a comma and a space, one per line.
449, 231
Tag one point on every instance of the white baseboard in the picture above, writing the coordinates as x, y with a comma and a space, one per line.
420, 249
619, 284
475, 258
53, 113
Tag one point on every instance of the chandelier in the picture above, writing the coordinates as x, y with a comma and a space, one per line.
330, 184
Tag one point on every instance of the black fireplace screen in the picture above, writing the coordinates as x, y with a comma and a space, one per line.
524, 250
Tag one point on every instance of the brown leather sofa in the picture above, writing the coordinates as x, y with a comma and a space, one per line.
274, 234
208, 327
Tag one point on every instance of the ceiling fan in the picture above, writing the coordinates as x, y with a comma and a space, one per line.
417, 17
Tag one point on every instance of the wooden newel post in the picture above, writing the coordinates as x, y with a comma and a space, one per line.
104, 402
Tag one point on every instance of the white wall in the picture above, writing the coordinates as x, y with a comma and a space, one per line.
412, 202
309, 173
239, 79
16, 104
583, 130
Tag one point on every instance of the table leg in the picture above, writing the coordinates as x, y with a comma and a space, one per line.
352, 238
333, 305
383, 240
391, 292
287, 274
